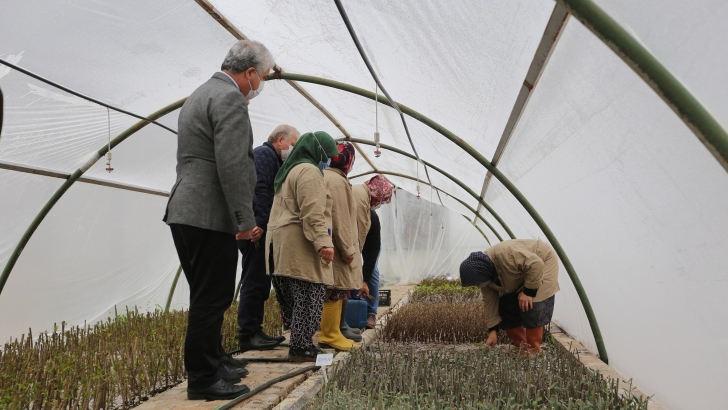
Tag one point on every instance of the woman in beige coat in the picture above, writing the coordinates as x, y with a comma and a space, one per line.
347, 255
518, 279
299, 248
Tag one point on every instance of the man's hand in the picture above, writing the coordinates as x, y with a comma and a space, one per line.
525, 302
364, 290
492, 338
244, 234
257, 234
327, 254
348, 259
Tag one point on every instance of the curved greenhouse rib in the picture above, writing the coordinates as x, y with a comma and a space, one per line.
656, 75
171, 290
95, 156
479, 230
462, 185
85, 97
496, 173
463, 203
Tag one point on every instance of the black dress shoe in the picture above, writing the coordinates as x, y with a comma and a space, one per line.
256, 342
304, 355
221, 390
233, 374
277, 339
230, 361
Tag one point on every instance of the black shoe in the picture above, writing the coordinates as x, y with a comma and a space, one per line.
304, 355
277, 339
221, 390
256, 342
230, 361
233, 374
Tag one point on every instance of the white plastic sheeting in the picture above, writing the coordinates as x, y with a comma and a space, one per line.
423, 240
637, 202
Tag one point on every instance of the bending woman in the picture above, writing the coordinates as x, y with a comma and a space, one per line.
298, 246
347, 255
518, 279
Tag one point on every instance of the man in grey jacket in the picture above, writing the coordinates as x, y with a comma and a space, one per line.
210, 205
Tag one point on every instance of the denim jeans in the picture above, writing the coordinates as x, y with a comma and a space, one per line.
373, 285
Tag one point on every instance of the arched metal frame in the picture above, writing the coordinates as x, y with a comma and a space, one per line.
463, 203
669, 88
451, 178
599, 341
656, 75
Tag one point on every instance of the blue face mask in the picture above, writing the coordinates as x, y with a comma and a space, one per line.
324, 165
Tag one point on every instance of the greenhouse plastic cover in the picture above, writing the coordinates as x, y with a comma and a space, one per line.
636, 200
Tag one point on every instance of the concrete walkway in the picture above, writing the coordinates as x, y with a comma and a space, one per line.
176, 398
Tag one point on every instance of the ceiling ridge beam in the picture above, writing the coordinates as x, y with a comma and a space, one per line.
551, 35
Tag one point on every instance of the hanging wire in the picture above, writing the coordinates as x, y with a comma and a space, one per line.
394, 104
108, 151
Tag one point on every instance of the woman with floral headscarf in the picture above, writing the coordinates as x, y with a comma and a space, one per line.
347, 256
369, 196
299, 248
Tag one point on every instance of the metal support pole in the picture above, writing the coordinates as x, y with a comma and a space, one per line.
496, 173
656, 75
171, 290
95, 156
479, 230
447, 175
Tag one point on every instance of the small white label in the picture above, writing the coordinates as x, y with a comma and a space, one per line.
324, 359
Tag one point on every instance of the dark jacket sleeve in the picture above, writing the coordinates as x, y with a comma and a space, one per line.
372, 246
266, 168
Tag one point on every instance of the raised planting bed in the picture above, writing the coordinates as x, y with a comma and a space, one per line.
430, 356
115, 364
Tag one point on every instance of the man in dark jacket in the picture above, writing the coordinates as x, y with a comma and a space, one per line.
255, 283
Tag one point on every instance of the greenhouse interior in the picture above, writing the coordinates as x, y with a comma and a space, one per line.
595, 126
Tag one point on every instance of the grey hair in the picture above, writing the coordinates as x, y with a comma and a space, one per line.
285, 131
248, 53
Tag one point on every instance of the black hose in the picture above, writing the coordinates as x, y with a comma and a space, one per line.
78, 94
264, 386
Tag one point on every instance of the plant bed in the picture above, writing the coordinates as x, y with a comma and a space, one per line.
115, 364
432, 356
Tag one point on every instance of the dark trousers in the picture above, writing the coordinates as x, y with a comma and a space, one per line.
209, 260
254, 288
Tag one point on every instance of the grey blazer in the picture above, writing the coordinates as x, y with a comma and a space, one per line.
215, 167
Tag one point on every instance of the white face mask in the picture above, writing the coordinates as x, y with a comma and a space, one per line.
254, 93
284, 153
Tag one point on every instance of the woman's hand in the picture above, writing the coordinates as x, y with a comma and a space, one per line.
364, 290
327, 254
348, 259
492, 338
525, 302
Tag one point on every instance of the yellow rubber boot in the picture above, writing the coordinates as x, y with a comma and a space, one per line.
331, 337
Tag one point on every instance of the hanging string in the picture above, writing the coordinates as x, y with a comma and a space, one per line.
377, 151
108, 151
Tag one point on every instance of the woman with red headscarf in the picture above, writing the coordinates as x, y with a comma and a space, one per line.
347, 264
369, 196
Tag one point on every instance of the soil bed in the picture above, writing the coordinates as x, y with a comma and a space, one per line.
431, 357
